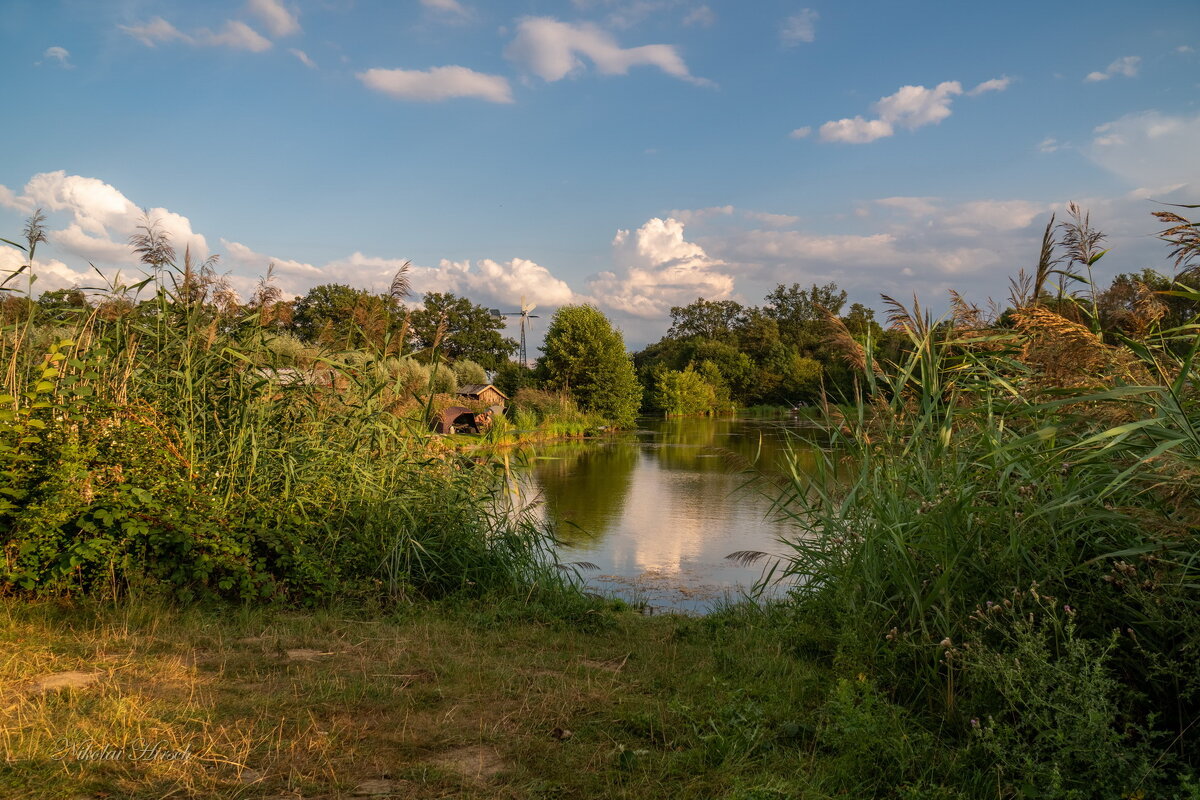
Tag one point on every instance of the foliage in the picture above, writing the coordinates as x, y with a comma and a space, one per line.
686, 392
468, 372
1000, 501
585, 356
459, 329
183, 447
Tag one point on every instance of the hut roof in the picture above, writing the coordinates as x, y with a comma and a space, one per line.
476, 389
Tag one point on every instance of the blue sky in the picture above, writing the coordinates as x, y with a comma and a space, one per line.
631, 153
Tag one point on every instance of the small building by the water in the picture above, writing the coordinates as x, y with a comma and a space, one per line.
484, 392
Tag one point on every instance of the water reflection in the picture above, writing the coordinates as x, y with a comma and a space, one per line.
659, 509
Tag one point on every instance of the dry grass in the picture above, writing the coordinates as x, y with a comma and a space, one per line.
319, 706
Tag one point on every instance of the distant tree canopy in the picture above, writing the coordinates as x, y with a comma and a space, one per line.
337, 315
467, 331
62, 305
584, 355
772, 354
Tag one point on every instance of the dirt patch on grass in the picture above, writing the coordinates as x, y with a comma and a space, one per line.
478, 763
72, 679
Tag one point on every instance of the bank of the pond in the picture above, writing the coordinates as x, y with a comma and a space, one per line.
505, 700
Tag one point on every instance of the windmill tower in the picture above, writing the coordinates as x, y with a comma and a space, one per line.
525, 316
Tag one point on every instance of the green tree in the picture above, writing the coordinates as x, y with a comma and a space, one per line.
468, 372
466, 331
62, 305
684, 392
341, 316
710, 319
798, 311
585, 355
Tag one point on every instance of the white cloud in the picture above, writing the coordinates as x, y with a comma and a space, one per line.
59, 54
50, 274
438, 83
914, 107
913, 206
236, 35
1149, 148
658, 269
1183, 48
800, 27
446, 6
700, 15
278, 19
689, 216
1048, 145
909, 107
801, 133
154, 32
303, 56
994, 85
102, 219
1127, 66
855, 131
551, 50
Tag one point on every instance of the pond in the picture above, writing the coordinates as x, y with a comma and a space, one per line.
659, 509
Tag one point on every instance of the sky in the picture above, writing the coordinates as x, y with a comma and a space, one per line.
633, 154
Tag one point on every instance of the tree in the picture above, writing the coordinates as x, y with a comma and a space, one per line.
798, 310
585, 355
338, 315
684, 392
468, 372
710, 319
62, 305
460, 329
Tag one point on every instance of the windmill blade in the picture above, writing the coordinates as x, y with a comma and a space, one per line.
525, 309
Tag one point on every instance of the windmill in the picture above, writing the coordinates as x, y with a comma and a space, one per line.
525, 317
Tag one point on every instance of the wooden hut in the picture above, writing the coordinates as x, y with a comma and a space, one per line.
456, 419
484, 392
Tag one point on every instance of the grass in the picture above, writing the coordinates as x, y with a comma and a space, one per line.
443, 700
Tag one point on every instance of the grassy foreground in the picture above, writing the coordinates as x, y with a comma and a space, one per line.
146, 701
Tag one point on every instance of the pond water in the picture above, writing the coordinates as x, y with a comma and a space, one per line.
659, 509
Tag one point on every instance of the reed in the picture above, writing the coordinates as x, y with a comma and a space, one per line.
172, 440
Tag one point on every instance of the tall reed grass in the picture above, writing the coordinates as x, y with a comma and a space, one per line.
1005, 537
171, 439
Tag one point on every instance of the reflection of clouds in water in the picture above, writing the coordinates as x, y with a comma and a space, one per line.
662, 512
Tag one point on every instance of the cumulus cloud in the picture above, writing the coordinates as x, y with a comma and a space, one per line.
801, 133
236, 35
1149, 148
438, 83
994, 85
278, 19
102, 218
658, 269
689, 216
303, 58
446, 6
50, 273
910, 107
60, 55
800, 27
1127, 66
552, 50
155, 32
856, 130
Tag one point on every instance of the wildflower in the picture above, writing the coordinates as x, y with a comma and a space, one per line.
946, 642
1069, 610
